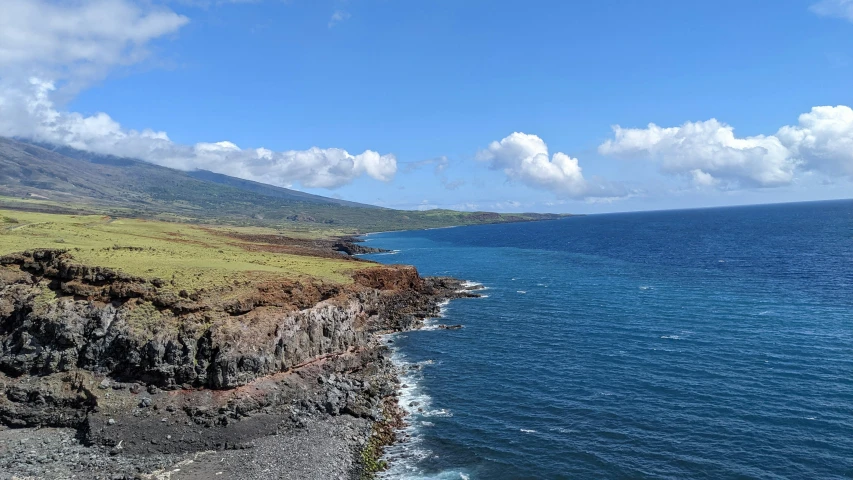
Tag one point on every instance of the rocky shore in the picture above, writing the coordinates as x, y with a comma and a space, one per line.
352, 246
108, 376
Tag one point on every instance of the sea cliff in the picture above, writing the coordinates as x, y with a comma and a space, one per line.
290, 373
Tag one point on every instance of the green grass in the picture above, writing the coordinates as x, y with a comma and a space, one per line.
185, 256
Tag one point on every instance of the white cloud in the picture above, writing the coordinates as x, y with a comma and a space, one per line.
77, 40
524, 158
338, 17
707, 151
710, 154
74, 42
703, 179
315, 167
823, 139
834, 8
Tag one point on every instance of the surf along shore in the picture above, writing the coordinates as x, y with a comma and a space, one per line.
143, 349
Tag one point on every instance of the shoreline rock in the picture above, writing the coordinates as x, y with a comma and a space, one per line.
351, 247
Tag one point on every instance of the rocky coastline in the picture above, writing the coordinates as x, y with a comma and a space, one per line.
352, 246
103, 375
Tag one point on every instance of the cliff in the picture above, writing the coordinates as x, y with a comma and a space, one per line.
129, 362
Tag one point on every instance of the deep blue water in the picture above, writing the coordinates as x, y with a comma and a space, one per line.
710, 343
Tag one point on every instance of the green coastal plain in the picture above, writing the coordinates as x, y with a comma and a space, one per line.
187, 256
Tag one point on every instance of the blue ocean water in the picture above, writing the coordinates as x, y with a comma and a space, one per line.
710, 343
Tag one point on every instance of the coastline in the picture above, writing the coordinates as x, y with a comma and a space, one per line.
327, 416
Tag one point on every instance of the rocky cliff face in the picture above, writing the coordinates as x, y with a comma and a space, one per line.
81, 345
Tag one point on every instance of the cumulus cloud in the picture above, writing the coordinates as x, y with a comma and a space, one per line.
48, 44
77, 40
823, 140
834, 8
525, 158
710, 154
705, 150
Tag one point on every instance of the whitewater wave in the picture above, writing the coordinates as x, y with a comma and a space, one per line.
432, 323
445, 475
469, 285
392, 252
561, 430
404, 457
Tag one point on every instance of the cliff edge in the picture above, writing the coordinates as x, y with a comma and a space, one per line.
147, 376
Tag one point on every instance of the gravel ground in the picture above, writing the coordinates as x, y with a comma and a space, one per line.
52, 453
326, 448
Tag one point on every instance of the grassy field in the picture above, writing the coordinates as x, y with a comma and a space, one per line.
185, 256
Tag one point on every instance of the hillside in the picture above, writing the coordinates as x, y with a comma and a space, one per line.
62, 180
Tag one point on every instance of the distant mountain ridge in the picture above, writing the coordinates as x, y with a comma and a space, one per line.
53, 178
203, 175
270, 190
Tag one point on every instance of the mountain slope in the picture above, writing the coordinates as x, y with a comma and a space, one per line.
271, 191
62, 179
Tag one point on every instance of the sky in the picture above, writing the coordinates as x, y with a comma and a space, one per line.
547, 106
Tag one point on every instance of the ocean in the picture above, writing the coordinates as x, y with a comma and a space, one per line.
713, 343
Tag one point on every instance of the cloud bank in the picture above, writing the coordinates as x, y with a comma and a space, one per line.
710, 154
48, 49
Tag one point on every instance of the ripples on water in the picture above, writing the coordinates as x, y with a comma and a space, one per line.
694, 344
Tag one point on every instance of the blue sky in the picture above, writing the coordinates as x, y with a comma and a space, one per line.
430, 85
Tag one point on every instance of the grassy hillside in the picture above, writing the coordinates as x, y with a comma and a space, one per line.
184, 256
271, 191
69, 181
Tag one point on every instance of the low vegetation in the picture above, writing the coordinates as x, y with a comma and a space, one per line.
184, 256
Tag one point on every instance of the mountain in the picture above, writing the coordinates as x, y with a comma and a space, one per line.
60, 179
271, 191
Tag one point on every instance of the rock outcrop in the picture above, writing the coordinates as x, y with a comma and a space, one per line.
124, 358
351, 247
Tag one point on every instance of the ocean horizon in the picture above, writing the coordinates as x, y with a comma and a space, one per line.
707, 343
